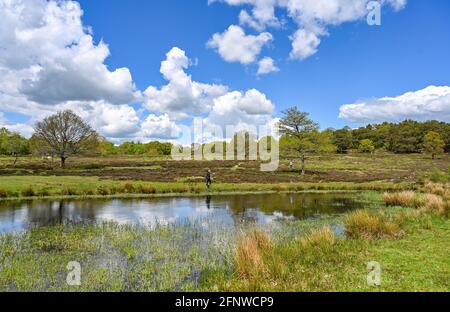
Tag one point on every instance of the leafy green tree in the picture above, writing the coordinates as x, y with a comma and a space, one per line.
106, 148
366, 146
302, 131
406, 137
13, 144
433, 144
65, 134
343, 140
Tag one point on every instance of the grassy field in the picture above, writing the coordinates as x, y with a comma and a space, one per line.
93, 187
127, 176
411, 245
406, 232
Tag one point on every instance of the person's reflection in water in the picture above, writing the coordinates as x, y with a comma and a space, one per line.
208, 202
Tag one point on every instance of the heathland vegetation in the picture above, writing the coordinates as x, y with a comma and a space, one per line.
375, 157
400, 171
300, 136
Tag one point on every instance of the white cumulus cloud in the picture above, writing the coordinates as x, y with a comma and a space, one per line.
312, 18
234, 45
48, 37
160, 127
431, 103
241, 110
182, 96
50, 62
267, 66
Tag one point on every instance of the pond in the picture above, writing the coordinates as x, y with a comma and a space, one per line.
228, 210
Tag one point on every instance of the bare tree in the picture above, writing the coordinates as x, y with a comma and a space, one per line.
65, 134
298, 126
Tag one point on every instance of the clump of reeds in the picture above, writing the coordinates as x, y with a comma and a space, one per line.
434, 188
322, 238
249, 254
435, 204
404, 199
363, 224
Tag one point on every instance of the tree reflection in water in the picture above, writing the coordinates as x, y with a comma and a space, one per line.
230, 209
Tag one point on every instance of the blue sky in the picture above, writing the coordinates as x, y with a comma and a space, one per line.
354, 64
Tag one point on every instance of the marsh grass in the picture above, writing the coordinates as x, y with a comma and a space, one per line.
250, 251
435, 204
304, 255
435, 200
161, 257
404, 199
369, 225
322, 238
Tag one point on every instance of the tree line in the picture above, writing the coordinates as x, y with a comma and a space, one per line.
405, 137
65, 134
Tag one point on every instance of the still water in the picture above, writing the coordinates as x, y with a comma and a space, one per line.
230, 210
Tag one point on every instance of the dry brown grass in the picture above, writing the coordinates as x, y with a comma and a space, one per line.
436, 188
323, 237
249, 254
404, 199
435, 204
363, 224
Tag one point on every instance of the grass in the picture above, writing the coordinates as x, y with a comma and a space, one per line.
404, 199
364, 224
417, 261
411, 244
249, 253
74, 186
408, 237
113, 258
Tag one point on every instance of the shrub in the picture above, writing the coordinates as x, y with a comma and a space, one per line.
403, 199
363, 224
249, 254
28, 192
366, 146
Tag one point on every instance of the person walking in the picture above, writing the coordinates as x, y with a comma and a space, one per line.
208, 178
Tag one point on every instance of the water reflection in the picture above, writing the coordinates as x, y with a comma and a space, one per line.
228, 210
